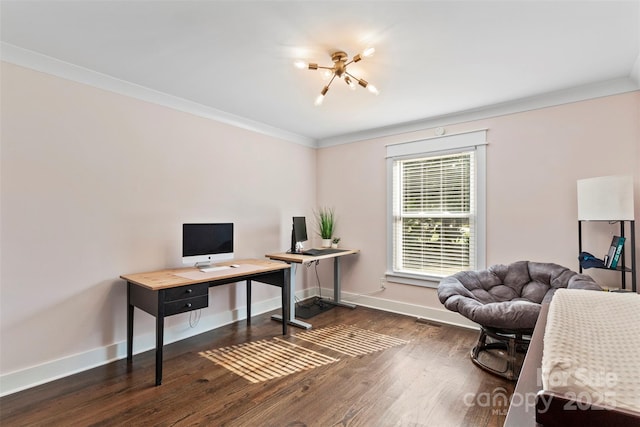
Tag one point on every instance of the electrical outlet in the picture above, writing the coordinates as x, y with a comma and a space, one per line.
383, 283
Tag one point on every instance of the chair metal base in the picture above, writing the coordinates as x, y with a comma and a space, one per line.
511, 342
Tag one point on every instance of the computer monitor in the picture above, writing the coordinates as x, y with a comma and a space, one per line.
298, 234
204, 244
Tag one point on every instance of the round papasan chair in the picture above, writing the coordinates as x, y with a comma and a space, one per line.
505, 301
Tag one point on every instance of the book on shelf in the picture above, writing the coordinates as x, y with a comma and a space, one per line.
612, 251
618, 252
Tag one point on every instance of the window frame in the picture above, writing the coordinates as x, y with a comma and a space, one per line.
449, 144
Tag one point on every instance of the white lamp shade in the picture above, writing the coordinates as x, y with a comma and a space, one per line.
605, 198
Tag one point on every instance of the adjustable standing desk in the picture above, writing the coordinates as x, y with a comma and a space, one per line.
292, 258
167, 292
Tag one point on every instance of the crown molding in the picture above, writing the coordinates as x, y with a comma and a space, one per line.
575, 94
46, 64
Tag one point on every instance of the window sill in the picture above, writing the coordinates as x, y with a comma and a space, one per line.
413, 279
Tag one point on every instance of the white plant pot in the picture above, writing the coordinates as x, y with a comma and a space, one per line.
326, 243
334, 245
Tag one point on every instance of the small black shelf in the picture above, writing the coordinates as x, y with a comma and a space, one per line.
621, 268
625, 269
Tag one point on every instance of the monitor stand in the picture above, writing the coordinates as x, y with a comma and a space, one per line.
296, 247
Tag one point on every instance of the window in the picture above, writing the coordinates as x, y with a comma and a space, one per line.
436, 207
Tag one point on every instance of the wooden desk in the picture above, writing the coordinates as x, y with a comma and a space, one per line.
179, 290
290, 258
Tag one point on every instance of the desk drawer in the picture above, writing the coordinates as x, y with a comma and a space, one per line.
185, 304
189, 291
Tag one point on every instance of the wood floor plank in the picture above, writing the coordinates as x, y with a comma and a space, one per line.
426, 380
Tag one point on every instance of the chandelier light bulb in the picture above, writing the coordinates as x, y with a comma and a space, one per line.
300, 64
373, 89
320, 97
368, 52
349, 82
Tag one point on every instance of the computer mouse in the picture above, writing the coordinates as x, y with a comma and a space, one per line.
234, 265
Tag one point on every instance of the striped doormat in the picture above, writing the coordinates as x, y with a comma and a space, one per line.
267, 359
349, 340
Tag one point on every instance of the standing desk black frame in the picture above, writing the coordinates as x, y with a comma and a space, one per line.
301, 258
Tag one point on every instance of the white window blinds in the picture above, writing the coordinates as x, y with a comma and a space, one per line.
434, 214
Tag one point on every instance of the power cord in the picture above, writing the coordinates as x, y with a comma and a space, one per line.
315, 268
194, 318
317, 301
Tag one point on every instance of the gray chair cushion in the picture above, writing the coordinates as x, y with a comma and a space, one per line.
508, 296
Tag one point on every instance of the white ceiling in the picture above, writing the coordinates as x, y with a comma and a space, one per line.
433, 58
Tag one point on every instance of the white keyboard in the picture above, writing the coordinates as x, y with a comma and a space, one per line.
210, 269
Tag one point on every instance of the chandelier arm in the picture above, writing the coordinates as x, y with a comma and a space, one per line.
361, 82
351, 75
331, 81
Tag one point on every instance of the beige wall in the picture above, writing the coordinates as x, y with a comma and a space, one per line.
533, 159
95, 185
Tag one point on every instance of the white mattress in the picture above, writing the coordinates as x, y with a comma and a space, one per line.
592, 347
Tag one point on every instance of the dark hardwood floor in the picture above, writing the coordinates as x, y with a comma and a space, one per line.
430, 381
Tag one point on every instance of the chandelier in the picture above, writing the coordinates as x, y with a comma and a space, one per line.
339, 69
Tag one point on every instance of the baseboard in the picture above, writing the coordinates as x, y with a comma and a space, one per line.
52, 370
23, 379
375, 300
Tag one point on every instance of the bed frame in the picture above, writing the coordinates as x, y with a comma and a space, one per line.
532, 406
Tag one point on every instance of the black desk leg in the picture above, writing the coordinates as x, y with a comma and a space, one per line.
286, 291
159, 344
248, 301
130, 309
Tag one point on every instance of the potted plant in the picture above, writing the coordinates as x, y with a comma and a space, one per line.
326, 222
334, 242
